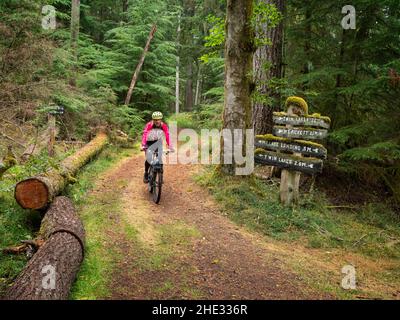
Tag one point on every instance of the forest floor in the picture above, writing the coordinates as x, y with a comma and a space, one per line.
186, 248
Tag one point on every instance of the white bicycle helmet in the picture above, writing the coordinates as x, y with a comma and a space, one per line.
157, 115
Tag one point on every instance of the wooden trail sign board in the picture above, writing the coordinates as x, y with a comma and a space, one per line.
298, 146
287, 161
309, 121
57, 110
289, 149
300, 133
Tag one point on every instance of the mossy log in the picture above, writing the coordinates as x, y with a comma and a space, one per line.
121, 139
37, 192
52, 270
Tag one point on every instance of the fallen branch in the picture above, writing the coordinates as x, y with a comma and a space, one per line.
359, 240
341, 207
27, 247
11, 139
325, 232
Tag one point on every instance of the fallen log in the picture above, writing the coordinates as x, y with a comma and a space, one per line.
53, 268
121, 139
37, 192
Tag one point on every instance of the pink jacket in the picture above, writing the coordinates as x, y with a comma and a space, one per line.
147, 129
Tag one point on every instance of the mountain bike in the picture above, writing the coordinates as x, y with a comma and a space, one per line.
156, 171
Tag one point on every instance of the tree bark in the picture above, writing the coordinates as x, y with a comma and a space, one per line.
37, 192
178, 62
75, 17
239, 50
140, 65
125, 5
189, 87
272, 54
189, 10
52, 130
197, 95
61, 253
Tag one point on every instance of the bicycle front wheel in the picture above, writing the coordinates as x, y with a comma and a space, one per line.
158, 176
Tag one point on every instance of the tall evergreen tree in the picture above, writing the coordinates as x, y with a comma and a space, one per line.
268, 67
239, 50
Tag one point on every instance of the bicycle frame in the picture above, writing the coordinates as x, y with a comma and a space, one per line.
156, 175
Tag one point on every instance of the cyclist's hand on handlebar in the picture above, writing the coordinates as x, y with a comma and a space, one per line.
143, 148
171, 150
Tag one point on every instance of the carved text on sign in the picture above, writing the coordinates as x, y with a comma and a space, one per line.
286, 161
301, 121
304, 148
300, 133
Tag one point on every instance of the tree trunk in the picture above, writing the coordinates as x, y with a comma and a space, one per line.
189, 53
61, 255
177, 89
37, 192
189, 87
75, 17
239, 50
125, 6
139, 66
272, 54
52, 130
197, 95
177, 84
339, 77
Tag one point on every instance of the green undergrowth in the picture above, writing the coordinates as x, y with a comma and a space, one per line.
372, 229
17, 224
97, 216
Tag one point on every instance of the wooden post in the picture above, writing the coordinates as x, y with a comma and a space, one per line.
197, 95
140, 64
290, 180
52, 133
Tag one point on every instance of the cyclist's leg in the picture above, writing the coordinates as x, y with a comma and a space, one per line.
147, 164
146, 172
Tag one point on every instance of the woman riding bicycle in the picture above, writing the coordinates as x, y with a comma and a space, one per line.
151, 136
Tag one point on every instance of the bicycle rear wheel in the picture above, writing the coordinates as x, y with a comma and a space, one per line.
151, 180
157, 178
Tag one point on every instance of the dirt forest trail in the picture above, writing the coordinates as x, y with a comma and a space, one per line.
184, 248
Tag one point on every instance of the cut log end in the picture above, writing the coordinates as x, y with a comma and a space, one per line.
32, 194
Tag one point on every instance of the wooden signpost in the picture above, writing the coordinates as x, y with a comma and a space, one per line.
56, 110
289, 147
